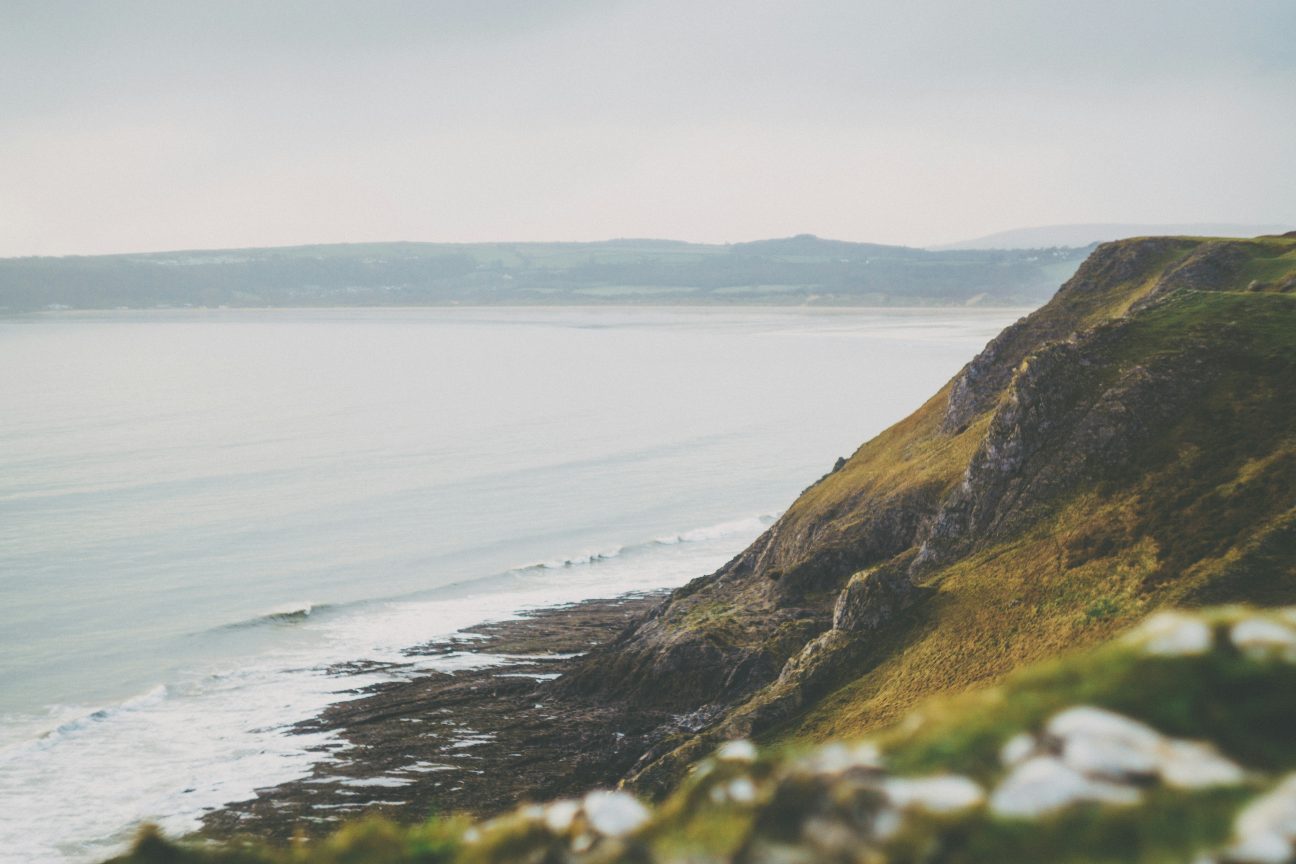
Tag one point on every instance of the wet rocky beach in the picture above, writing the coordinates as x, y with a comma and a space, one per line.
476, 740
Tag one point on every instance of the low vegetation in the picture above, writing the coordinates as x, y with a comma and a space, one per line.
1175, 741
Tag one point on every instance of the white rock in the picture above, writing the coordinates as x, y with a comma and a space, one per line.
741, 790
1086, 720
1017, 748
1043, 784
560, 814
945, 794
1105, 744
1261, 849
837, 758
740, 750
614, 814
1266, 828
1174, 634
1111, 758
1262, 636
1197, 765
887, 823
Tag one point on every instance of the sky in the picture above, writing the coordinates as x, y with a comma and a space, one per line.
164, 124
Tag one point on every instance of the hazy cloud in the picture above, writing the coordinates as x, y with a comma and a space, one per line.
144, 125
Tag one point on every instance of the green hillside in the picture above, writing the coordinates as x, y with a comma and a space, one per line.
793, 271
1126, 447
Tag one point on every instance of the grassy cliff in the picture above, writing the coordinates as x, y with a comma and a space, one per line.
1129, 446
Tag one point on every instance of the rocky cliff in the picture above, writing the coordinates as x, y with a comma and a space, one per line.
1126, 446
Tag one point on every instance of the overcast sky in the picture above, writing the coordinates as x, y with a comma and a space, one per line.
129, 126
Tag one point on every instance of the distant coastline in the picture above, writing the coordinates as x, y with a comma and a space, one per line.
796, 271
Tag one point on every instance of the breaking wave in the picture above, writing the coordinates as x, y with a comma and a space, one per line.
720, 531
289, 614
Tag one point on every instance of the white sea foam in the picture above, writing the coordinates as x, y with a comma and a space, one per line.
217, 734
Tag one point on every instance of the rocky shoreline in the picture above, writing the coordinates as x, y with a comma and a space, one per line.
478, 740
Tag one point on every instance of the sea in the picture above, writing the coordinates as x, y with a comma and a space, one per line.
203, 513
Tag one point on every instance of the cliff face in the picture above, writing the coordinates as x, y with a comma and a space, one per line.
1130, 444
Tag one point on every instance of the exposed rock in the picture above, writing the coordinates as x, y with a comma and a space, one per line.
1044, 784
1266, 828
559, 815
872, 598
839, 757
1017, 749
1063, 421
1173, 634
1104, 744
1264, 636
940, 794
978, 387
614, 814
1196, 765
740, 750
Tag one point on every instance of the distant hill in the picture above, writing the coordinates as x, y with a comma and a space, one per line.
802, 270
1045, 236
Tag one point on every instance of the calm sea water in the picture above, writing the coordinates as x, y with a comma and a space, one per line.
201, 511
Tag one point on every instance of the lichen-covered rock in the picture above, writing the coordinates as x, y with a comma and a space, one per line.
872, 598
